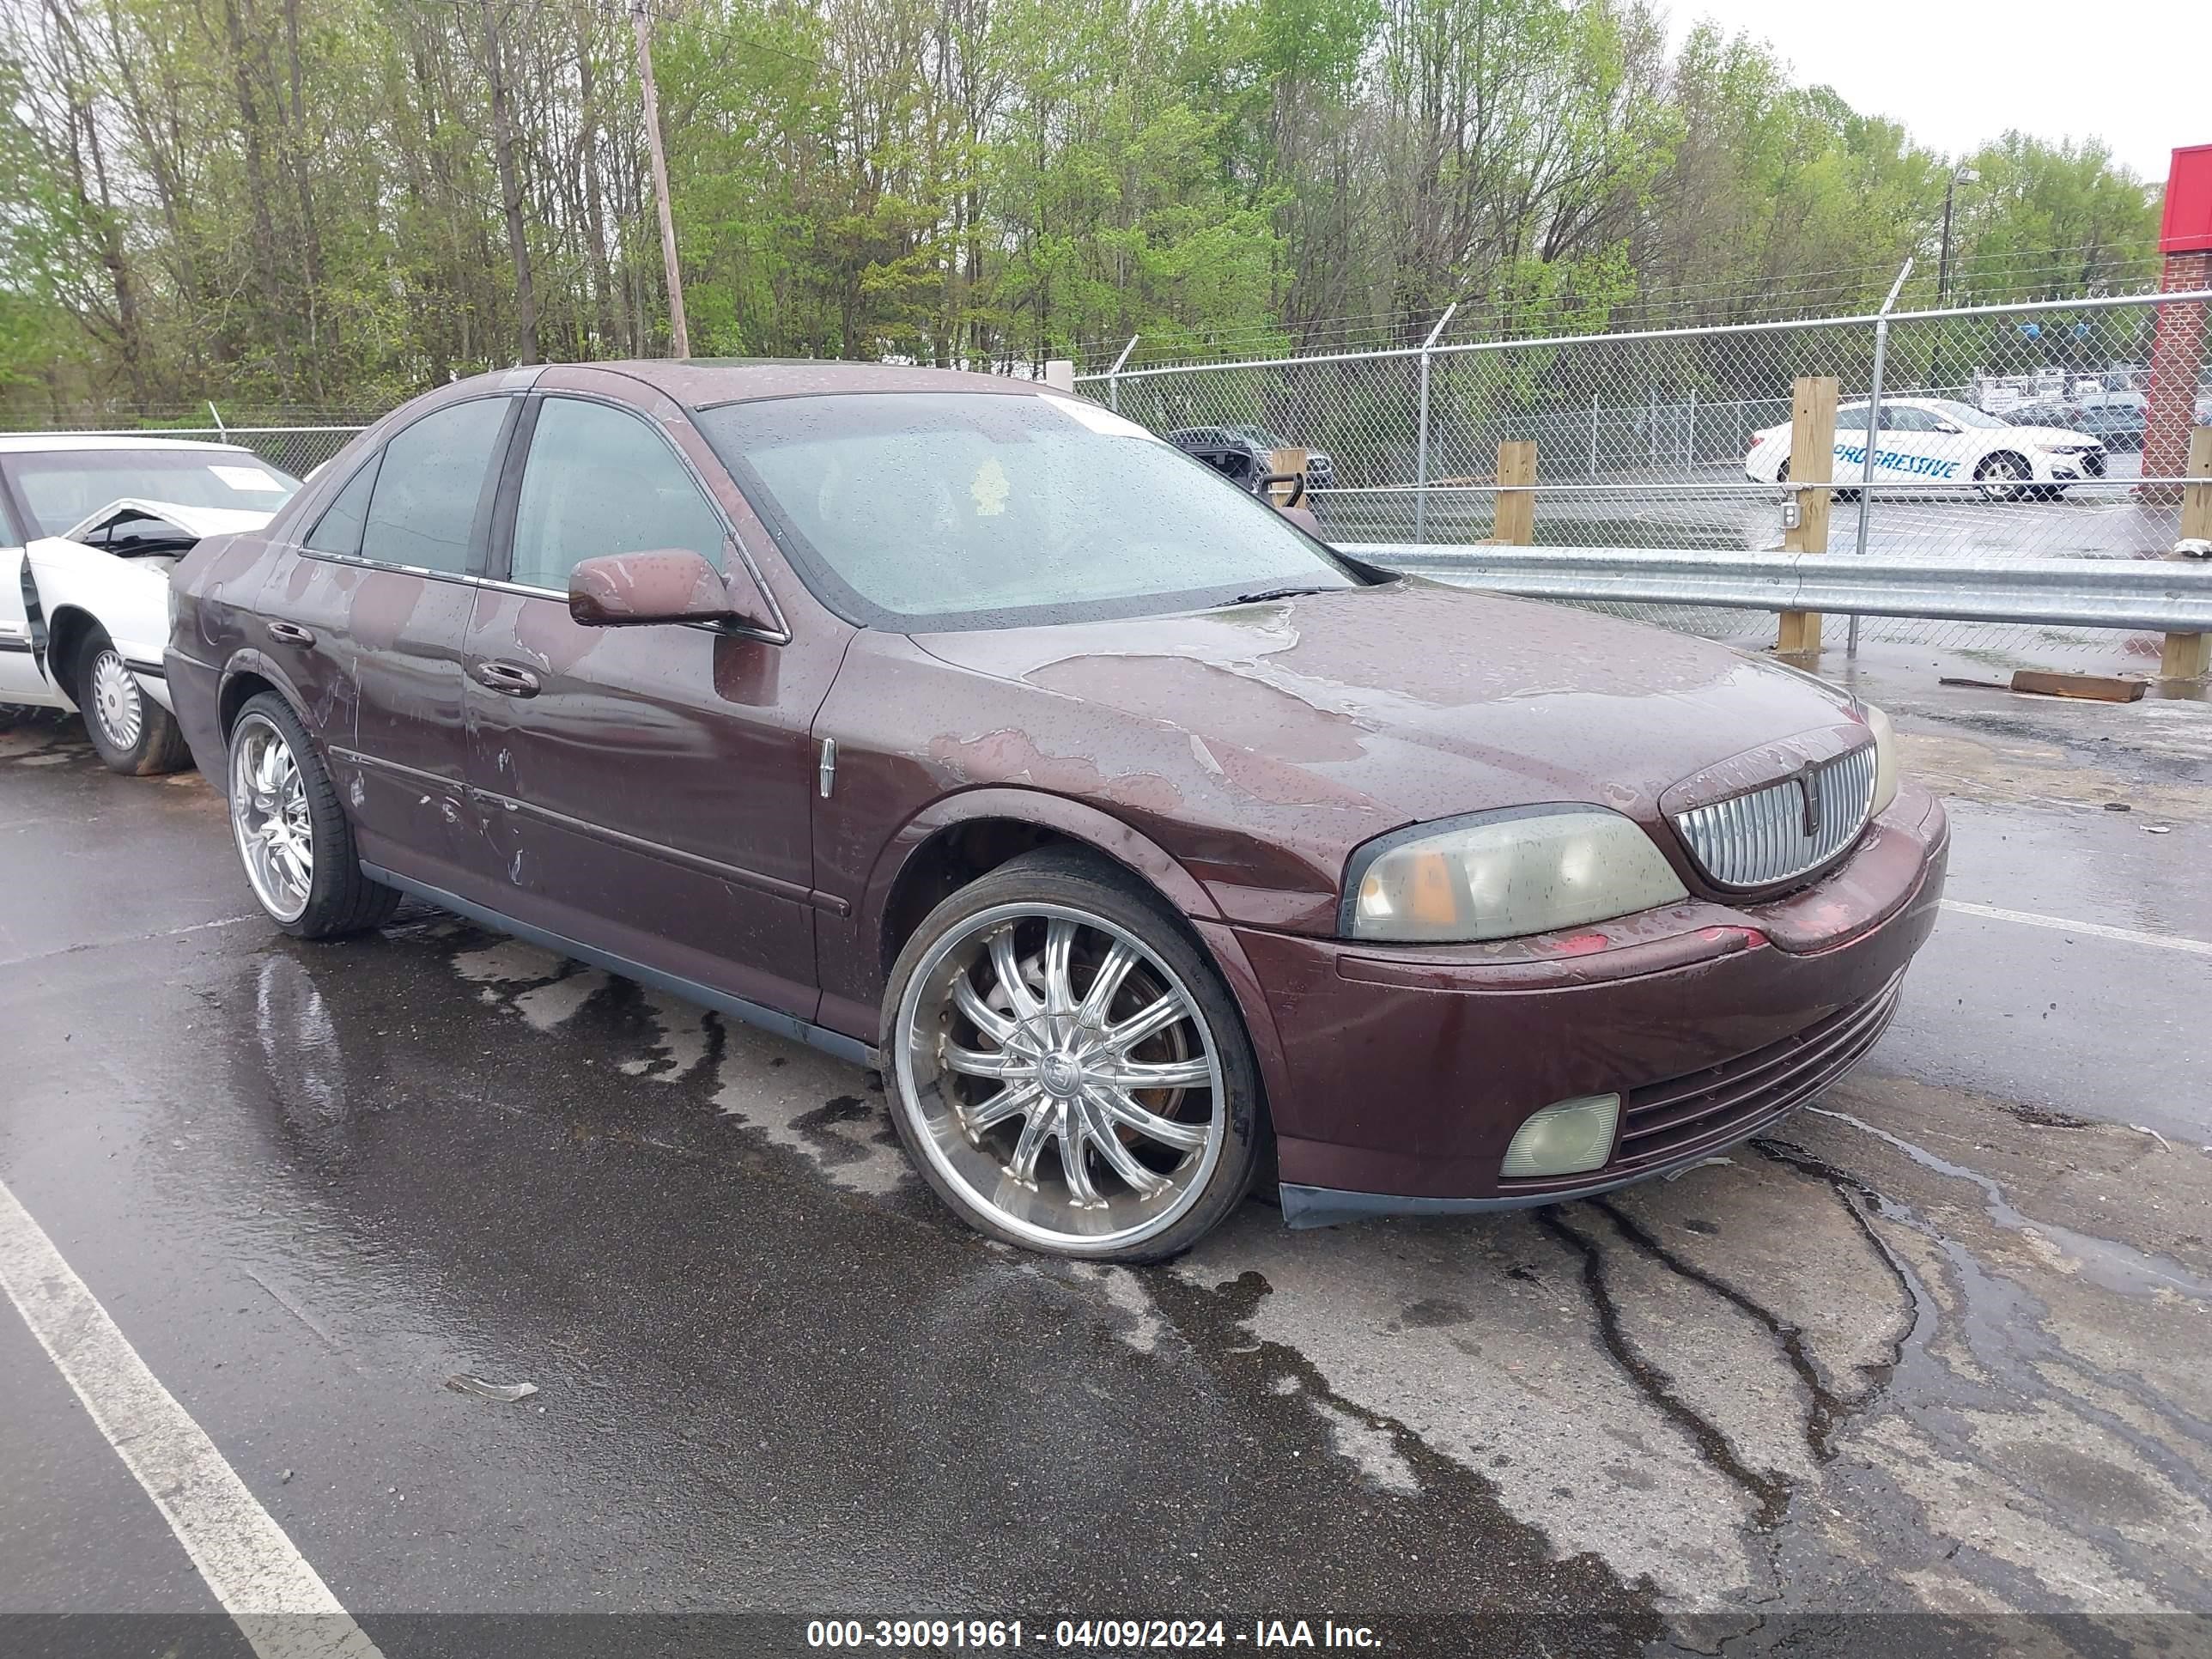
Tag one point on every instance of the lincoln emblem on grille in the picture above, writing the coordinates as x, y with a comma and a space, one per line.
1808, 790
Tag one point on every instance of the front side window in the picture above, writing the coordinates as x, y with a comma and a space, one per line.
422, 508
600, 481
61, 489
965, 510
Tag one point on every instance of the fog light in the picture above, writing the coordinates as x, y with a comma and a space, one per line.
1566, 1138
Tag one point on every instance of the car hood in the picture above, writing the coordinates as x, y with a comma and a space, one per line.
201, 522
2043, 435
1315, 723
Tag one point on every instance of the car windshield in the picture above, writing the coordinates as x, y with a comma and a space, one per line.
63, 488
1259, 435
1965, 414
963, 509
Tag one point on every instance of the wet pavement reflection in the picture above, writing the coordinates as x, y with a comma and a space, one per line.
1934, 1343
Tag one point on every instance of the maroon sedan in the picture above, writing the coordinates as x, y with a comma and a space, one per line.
1149, 848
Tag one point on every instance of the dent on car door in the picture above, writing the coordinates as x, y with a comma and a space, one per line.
369, 619
648, 789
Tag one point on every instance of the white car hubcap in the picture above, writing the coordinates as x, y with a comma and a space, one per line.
115, 700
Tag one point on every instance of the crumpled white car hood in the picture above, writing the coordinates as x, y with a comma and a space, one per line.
193, 520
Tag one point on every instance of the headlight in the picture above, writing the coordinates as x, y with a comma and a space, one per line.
1500, 875
1885, 758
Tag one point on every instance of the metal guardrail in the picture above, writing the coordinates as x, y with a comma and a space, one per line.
2168, 596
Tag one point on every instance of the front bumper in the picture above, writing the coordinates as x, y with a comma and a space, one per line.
1400, 1075
2055, 468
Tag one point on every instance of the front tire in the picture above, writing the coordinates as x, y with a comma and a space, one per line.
130, 732
1066, 1068
2005, 477
291, 834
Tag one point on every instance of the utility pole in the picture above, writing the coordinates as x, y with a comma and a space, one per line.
679, 333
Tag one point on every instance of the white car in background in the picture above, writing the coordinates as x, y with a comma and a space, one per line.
1943, 444
89, 529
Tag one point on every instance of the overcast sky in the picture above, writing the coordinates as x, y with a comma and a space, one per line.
1958, 73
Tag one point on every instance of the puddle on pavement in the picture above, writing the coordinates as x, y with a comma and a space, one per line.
1753, 1387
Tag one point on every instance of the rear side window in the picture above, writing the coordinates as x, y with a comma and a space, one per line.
599, 481
422, 507
339, 531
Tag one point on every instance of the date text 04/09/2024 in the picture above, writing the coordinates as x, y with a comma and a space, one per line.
1121, 1634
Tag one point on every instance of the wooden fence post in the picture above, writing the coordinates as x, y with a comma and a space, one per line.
2189, 656
1290, 461
1812, 461
1514, 524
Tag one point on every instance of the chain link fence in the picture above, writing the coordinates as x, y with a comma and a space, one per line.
1999, 432
2052, 429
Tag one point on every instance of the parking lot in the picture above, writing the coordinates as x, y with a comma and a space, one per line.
1711, 505
1935, 1347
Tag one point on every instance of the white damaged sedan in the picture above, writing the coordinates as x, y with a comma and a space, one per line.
89, 529
1942, 445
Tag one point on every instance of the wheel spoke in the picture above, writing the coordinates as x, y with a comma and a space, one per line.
1034, 1132
1074, 1132
986, 1062
1119, 959
1059, 985
1143, 1182
1010, 1102
1147, 1022
1135, 1075
1020, 997
985, 1018
1183, 1137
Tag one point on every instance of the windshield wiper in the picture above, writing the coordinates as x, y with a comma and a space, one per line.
1266, 594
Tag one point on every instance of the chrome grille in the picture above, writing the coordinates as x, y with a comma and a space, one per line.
1758, 839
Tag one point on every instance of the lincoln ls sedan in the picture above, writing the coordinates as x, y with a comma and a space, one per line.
1150, 849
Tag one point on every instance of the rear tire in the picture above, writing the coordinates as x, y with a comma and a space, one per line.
997, 1063
291, 834
130, 732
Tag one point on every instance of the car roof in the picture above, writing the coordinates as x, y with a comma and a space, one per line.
708, 382
33, 443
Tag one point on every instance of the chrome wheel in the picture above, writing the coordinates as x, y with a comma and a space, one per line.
117, 703
1059, 1076
269, 815
2001, 477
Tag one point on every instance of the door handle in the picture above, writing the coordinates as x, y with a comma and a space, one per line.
507, 679
291, 633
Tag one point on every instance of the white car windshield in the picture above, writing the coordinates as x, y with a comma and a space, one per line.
62, 487
1965, 414
969, 509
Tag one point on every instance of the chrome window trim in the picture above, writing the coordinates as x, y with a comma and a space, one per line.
459, 578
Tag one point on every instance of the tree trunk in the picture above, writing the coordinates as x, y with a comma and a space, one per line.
510, 185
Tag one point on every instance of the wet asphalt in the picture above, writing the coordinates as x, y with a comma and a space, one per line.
1933, 1348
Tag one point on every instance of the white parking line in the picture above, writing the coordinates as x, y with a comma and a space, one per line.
279, 1602
2095, 929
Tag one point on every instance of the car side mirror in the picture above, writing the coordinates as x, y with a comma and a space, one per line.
663, 584
1946, 426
